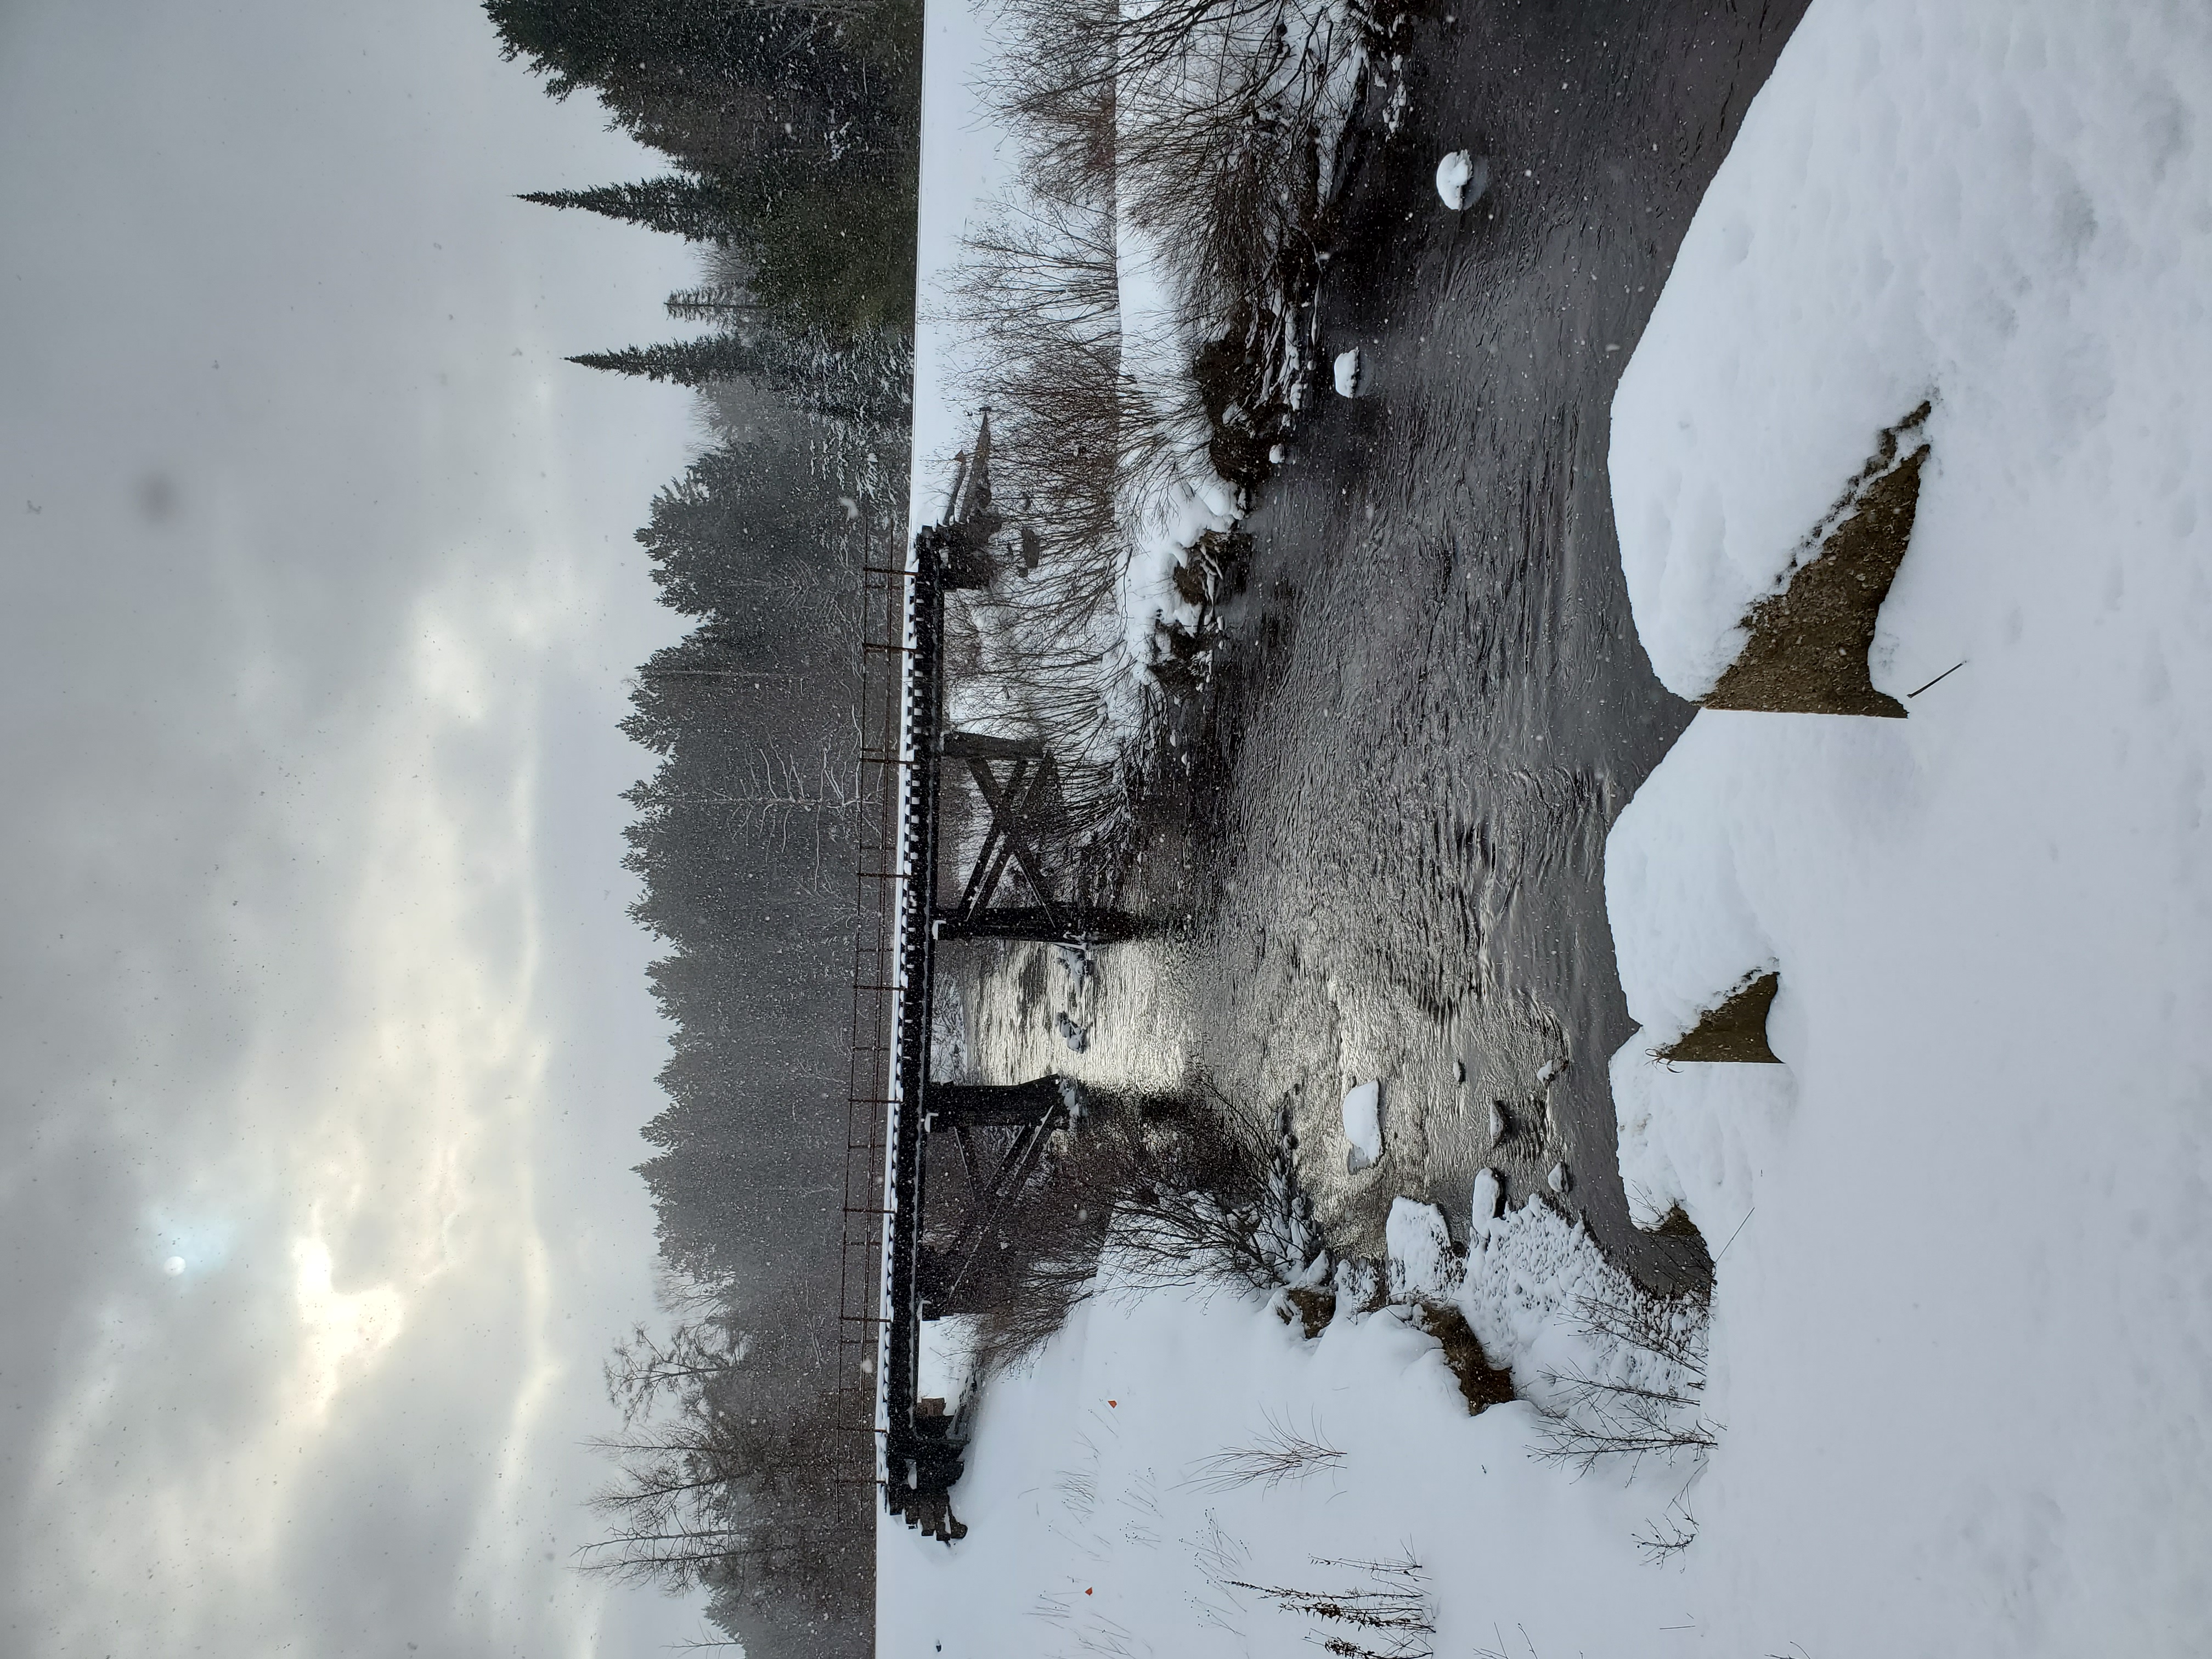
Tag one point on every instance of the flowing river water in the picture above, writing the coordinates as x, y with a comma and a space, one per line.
1437, 704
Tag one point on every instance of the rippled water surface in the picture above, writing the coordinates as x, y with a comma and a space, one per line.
1438, 705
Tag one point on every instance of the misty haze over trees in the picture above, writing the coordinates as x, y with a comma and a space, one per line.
791, 134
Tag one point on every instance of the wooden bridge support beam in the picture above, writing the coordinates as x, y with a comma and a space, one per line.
1034, 1108
1046, 926
995, 1105
1017, 797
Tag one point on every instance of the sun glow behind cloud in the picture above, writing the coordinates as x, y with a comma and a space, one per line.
365, 1234
318, 984
337, 1330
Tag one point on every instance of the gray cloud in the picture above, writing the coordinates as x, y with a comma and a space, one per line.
318, 599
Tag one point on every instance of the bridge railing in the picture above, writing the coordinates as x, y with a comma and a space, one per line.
871, 1080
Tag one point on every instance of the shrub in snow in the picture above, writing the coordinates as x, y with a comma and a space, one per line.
1641, 1394
1347, 372
1139, 319
1395, 1611
1279, 1453
1462, 180
1134, 1204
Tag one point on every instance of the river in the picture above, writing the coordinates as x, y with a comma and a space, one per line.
1437, 705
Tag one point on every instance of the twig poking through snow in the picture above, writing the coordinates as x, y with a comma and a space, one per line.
1280, 1454
1646, 1400
1399, 1615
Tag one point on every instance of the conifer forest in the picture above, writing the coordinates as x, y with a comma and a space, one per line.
790, 138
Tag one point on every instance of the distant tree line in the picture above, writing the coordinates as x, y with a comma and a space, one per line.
791, 134
743, 837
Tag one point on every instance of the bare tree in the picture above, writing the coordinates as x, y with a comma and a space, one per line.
1205, 1195
645, 1372
723, 1488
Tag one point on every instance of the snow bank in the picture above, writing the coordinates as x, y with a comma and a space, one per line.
1529, 1272
1165, 510
1962, 1332
1992, 203
1166, 507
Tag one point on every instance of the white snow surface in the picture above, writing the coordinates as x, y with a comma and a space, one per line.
1164, 512
1995, 204
965, 163
1961, 1338
1363, 1122
1098, 1525
1963, 1326
943, 1363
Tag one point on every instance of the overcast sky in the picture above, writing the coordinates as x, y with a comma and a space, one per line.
327, 1036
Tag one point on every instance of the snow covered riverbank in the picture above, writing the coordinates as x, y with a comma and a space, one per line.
1962, 1324
1961, 1342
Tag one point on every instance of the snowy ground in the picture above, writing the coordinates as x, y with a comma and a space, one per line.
1107, 1516
1961, 1346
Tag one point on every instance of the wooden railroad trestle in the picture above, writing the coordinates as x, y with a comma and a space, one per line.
922, 1440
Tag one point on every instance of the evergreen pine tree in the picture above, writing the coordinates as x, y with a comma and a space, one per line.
696, 209
707, 304
689, 363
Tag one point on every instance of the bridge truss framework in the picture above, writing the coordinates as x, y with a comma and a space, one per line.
887, 1276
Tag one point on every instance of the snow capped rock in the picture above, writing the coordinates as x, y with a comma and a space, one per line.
1347, 372
1363, 1127
1461, 179
1489, 1198
1424, 1266
1358, 1286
